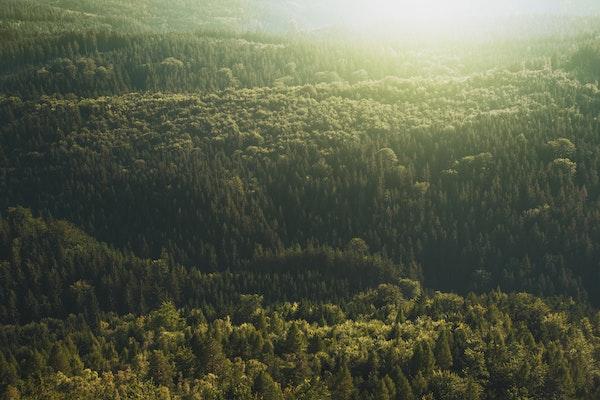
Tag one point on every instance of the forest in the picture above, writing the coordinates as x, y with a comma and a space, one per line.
257, 200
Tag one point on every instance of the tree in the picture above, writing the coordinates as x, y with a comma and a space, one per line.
312, 389
559, 381
403, 389
342, 384
86, 301
186, 362
419, 385
358, 246
266, 388
8, 370
211, 358
167, 317
564, 166
160, 369
249, 306
561, 148
381, 391
360, 75
295, 341
59, 358
11, 393
422, 360
447, 385
443, 354
387, 157
227, 79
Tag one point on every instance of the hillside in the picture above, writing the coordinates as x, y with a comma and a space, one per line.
281, 200
451, 176
338, 339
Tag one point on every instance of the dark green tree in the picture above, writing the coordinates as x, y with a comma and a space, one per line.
160, 368
442, 351
266, 388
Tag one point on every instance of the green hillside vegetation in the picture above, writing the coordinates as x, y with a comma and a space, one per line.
379, 337
447, 176
32, 17
240, 199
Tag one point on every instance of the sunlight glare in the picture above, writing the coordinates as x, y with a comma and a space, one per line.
444, 11
420, 10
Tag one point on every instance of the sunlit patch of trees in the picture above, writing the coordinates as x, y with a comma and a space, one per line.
379, 337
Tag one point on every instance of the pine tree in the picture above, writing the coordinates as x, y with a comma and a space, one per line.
160, 369
559, 382
266, 388
342, 384
312, 389
422, 360
295, 341
381, 391
443, 354
419, 385
403, 389
391, 386
473, 390
210, 356
8, 370
59, 359
316, 344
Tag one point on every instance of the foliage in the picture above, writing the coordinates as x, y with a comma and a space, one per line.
196, 205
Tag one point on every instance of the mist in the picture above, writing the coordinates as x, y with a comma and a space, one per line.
436, 19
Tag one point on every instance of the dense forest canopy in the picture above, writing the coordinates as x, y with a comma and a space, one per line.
269, 200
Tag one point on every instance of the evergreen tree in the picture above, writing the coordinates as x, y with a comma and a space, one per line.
422, 360
210, 356
295, 340
266, 388
342, 384
381, 391
419, 385
160, 369
312, 389
403, 389
443, 354
59, 358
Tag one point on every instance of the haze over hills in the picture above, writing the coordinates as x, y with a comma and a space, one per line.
299, 200
276, 16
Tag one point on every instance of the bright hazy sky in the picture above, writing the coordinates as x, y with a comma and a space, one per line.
368, 11
433, 16
447, 9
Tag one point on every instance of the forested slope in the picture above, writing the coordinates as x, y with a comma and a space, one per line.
240, 200
447, 176
30, 17
358, 330
93, 63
